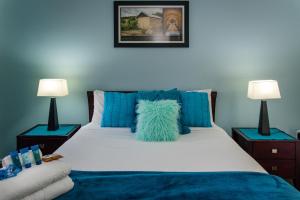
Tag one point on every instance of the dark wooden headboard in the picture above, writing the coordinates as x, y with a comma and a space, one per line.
90, 96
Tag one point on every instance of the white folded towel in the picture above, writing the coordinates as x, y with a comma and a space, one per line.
33, 179
52, 191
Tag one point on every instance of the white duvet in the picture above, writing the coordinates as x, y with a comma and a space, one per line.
94, 148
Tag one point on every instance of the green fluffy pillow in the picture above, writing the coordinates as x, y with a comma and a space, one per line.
157, 120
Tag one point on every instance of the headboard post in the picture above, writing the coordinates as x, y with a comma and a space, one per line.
90, 96
213, 103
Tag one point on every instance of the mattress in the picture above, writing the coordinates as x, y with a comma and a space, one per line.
94, 148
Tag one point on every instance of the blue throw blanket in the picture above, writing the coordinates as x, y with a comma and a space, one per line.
179, 185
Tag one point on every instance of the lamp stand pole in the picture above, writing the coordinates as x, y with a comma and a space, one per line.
263, 126
53, 119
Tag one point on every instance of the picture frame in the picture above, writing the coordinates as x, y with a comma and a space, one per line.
151, 24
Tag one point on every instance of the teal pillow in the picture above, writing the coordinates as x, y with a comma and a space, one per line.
157, 120
157, 95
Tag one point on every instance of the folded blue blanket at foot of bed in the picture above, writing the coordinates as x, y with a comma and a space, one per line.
169, 185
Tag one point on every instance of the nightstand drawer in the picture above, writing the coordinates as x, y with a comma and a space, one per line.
283, 168
47, 146
274, 150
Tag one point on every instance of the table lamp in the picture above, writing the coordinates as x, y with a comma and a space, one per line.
263, 90
52, 88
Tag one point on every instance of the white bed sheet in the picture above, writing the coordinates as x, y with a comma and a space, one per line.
94, 148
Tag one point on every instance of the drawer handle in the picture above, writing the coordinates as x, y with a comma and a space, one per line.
274, 168
42, 146
274, 151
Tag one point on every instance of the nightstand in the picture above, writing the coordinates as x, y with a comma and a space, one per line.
48, 141
278, 153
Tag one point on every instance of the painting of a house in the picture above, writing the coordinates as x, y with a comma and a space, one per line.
149, 23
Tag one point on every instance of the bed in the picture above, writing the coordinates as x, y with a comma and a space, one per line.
108, 163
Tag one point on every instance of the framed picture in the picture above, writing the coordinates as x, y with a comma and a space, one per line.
151, 24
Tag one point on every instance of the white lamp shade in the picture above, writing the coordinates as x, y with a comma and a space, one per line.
263, 89
52, 88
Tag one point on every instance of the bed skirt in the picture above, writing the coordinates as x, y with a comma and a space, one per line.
179, 185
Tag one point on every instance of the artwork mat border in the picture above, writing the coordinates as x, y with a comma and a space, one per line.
184, 44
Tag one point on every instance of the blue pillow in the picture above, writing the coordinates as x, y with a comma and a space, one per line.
195, 108
119, 109
155, 95
158, 95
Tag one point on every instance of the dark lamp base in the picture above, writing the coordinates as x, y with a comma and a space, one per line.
263, 126
53, 119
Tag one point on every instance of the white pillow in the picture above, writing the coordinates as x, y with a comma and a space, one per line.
98, 107
208, 91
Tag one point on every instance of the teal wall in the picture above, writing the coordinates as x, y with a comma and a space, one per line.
231, 42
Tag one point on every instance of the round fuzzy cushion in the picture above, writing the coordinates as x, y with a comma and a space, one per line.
157, 120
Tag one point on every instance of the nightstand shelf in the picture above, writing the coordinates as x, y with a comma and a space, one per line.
48, 141
278, 153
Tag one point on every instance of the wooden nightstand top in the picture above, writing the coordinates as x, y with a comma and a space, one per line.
40, 130
252, 134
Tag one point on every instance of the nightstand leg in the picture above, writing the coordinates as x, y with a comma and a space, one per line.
297, 184
297, 180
